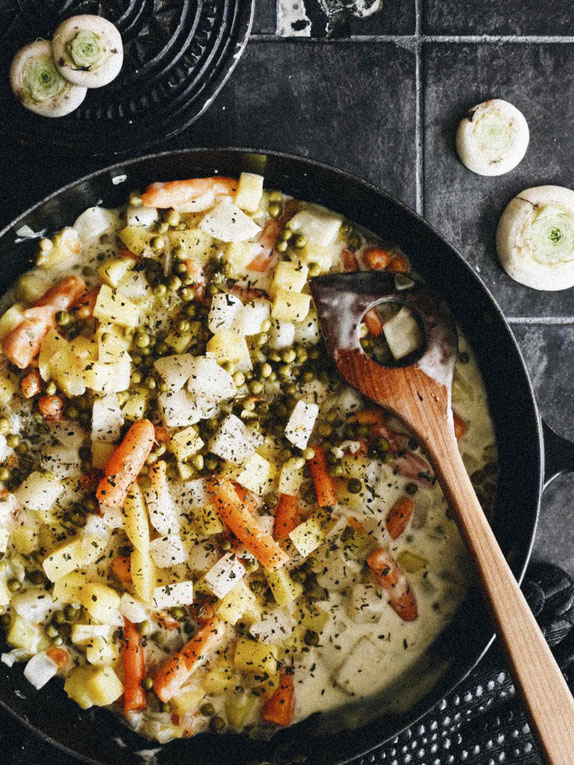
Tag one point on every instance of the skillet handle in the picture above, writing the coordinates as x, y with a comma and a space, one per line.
558, 454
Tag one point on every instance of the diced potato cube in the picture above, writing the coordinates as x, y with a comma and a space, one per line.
317, 224
63, 560
75, 686
92, 548
51, 345
8, 387
219, 679
112, 346
290, 276
39, 491
179, 341
67, 588
240, 707
284, 589
107, 418
32, 285
239, 255
173, 595
228, 346
104, 687
223, 311
239, 603
137, 239
67, 248
208, 380
257, 475
249, 191
187, 701
307, 536
290, 306
225, 574
136, 405
321, 256
273, 628
100, 601
281, 334
115, 309
168, 551
290, 477
5, 594
259, 658
207, 521
228, 223
140, 215
24, 635
101, 452
136, 519
308, 331
301, 423
11, 318
402, 333
113, 271
411, 562
185, 443
108, 378
143, 575
198, 244
251, 317
26, 539
175, 370
232, 441
101, 652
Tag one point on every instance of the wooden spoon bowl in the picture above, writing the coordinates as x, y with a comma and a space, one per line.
418, 391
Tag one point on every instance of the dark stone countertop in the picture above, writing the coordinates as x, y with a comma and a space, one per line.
382, 99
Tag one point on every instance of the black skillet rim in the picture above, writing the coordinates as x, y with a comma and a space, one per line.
122, 165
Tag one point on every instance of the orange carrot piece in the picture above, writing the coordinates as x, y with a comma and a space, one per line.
59, 656
245, 526
84, 306
398, 264
22, 344
389, 576
247, 497
89, 481
167, 621
399, 515
51, 408
134, 668
354, 523
278, 708
125, 464
350, 262
460, 426
376, 258
374, 323
177, 193
287, 516
175, 672
31, 384
322, 480
121, 566
367, 417
161, 434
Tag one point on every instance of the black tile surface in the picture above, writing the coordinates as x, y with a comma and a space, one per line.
539, 80
510, 17
348, 104
265, 20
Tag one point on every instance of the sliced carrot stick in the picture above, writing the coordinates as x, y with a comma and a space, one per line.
175, 672
247, 497
322, 480
134, 668
125, 464
161, 434
177, 193
121, 566
389, 576
374, 323
398, 263
240, 521
376, 258
167, 621
287, 516
22, 344
59, 656
84, 306
399, 516
460, 426
278, 708
31, 384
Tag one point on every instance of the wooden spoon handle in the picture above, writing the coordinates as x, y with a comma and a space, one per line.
544, 689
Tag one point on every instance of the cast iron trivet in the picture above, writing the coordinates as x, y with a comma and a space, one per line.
480, 723
178, 55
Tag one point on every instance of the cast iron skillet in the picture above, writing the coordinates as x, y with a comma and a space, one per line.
98, 736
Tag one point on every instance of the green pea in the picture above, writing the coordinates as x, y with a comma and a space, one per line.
285, 235
165, 707
51, 631
256, 387
187, 293
5, 474
217, 724
266, 325
183, 325
5, 620
159, 290
225, 544
239, 379
288, 355
207, 709
284, 371
145, 628
58, 640
143, 340
265, 370
136, 377
271, 499
174, 283
275, 196
36, 577
274, 210
308, 376
13, 440
147, 683
45, 244
157, 243
311, 638
354, 486
281, 246
336, 471
172, 218
14, 585
251, 565
300, 241
63, 318
198, 461
178, 613
325, 429
314, 270
71, 613
4, 426
3, 565
298, 576
211, 463
308, 453
411, 488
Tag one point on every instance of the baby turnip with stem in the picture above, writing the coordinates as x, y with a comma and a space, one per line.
535, 238
39, 86
88, 50
492, 138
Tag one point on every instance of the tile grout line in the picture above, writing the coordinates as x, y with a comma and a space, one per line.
556, 321
421, 38
419, 126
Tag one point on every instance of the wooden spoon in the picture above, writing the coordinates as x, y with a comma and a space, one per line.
418, 391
